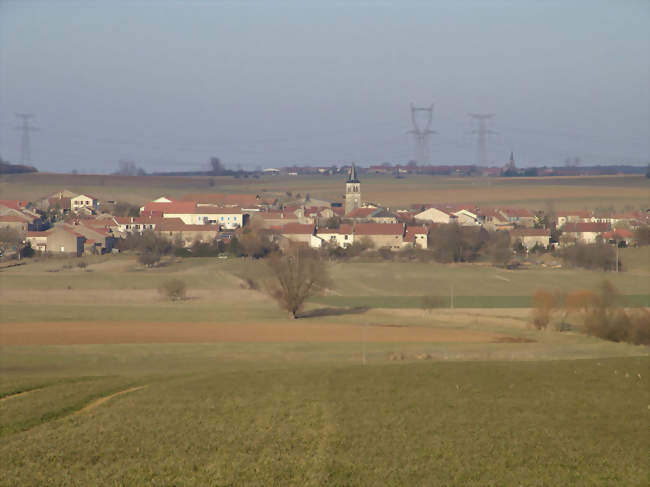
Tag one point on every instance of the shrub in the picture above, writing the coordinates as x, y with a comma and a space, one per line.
543, 302
174, 289
607, 319
430, 303
149, 258
594, 256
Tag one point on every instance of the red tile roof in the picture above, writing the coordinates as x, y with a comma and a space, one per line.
622, 233
379, 229
242, 199
584, 227
38, 234
344, 229
578, 213
14, 204
175, 207
361, 213
177, 225
296, 229
517, 212
15, 218
530, 232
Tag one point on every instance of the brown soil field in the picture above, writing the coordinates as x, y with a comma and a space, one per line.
77, 333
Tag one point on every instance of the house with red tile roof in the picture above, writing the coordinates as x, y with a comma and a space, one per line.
586, 232
417, 236
175, 229
381, 235
15, 204
58, 240
296, 232
618, 236
519, 216
343, 236
242, 200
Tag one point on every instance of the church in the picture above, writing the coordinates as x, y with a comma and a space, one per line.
352, 191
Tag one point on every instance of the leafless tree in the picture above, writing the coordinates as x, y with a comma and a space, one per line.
296, 275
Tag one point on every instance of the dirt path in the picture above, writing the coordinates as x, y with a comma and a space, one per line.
77, 333
102, 400
18, 394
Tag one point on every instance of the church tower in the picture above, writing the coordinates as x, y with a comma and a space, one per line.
352, 191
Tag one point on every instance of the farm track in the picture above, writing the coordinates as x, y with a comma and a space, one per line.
102, 400
18, 394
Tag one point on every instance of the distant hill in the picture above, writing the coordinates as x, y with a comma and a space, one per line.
8, 168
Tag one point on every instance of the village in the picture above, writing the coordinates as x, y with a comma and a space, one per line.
75, 224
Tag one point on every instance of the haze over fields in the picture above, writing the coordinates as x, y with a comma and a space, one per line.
169, 84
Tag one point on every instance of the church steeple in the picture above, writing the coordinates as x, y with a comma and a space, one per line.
352, 175
352, 191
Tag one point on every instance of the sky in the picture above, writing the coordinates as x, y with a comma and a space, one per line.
169, 84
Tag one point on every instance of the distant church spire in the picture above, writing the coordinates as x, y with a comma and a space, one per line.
352, 175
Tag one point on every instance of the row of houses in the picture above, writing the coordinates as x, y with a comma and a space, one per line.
394, 236
509, 218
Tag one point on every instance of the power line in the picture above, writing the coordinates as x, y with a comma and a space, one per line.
421, 135
25, 128
482, 131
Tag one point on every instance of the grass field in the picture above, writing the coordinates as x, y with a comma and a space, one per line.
211, 415
598, 192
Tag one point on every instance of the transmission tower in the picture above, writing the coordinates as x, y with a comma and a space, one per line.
421, 135
482, 131
25, 128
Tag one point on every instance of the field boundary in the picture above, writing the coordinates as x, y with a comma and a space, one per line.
631, 300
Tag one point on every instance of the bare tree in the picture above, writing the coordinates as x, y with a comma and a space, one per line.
296, 275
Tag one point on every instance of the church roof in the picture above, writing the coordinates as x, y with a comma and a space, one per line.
352, 175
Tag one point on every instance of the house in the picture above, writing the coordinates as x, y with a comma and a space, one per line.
620, 236
383, 215
84, 201
493, 220
296, 232
585, 232
519, 216
176, 230
530, 237
360, 214
381, 235
229, 218
436, 215
137, 224
59, 200
270, 219
466, 217
417, 236
15, 204
58, 240
97, 239
17, 221
343, 237
247, 201
573, 216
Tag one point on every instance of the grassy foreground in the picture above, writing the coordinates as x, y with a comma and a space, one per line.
203, 419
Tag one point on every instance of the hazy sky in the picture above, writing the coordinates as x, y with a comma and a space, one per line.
167, 84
